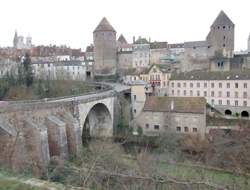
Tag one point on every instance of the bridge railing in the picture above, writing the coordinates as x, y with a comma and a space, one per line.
104, 88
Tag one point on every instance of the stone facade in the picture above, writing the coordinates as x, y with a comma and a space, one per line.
165, 114
141, 54
18, 42
105, 50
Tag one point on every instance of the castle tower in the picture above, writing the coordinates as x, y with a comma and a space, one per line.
221, 36
122, 40
105, 49
248, 43
28, 42
15, 40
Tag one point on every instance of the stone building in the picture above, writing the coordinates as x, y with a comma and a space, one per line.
157, 51
221, 36
125, 56
63, 70
138, 96
228, 92
185, 115
158, 76
219, 44
141, 52
248, 43
105, 49
19, 43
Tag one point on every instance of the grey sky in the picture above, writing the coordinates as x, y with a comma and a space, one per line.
72, 22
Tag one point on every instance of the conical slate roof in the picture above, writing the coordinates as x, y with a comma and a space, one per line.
104, 25
122, 40
222, 19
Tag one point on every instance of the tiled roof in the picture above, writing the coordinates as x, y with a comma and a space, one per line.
222, 19
104, 25
122, 40
202, 75
180, 45
158, 45
195, 44
175, 104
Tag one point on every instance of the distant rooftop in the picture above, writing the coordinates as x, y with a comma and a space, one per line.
175, 104
104, 25
222, 19
202, 75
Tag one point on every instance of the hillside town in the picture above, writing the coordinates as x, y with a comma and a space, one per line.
195, 89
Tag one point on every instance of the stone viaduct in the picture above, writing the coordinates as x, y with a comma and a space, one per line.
35, 131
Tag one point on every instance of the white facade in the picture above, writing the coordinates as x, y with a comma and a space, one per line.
65, 70
218, 93
141, 55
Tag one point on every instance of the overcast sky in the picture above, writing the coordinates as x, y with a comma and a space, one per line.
72, 22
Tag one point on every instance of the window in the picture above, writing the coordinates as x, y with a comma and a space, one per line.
212, 101
228, 94
220, 85
236, 85
198, 93
220, 102
195, 130
191, 93
212, 85
186, 129
244, 103
178, 92
178, 129
212, 93
205, 85
156, 127
198, 85
191, 85
146, 125
236, 94
184, 92
172, 84
245, 85
228, 85
220, 94
244, 94
179, 84
205, 93
228, 102
236, 102
184, 84
173, 92
134, 97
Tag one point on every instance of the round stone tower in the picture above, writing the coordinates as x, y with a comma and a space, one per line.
105, 50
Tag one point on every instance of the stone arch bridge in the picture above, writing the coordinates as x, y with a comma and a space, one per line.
58, 127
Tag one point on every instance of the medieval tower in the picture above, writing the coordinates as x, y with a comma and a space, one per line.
105, 50
221, 36
248, 43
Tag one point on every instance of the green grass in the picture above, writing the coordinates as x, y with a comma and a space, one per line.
6, 184
198, 174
